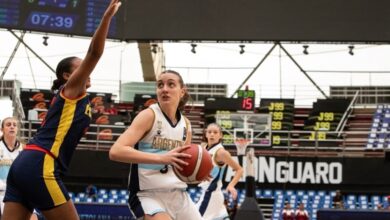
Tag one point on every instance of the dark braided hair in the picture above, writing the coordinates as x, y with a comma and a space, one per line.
64, 66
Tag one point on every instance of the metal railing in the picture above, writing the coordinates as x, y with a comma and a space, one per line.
347, 113
296, 141
93, 140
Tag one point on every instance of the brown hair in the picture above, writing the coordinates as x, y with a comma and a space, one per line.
3, 124
204, 138
7, 118
186, 96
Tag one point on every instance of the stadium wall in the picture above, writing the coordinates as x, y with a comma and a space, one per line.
349, 174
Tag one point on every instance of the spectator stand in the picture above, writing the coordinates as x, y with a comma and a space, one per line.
379, 137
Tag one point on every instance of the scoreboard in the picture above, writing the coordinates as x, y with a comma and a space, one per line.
72, 17
324, 119
248, 99
245, 101
234, 114
282, 114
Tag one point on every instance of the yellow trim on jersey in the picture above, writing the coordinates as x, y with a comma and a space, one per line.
63, 125
50, 181
189, 128
73, 100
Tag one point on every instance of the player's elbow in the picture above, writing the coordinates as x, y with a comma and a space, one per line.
240, 171
113, 154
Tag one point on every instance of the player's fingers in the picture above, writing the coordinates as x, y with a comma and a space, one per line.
180, 149
180, 162
234, 194
179, 166
176, 166
183, 155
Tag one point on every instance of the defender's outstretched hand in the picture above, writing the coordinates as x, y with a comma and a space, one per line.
112, 8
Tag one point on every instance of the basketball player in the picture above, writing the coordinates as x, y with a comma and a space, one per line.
211, 203
161, 131
34, 180
10, 147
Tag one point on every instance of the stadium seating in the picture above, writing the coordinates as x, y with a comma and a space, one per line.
378, 137
313, 200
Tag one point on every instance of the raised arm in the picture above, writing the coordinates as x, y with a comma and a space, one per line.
76, 84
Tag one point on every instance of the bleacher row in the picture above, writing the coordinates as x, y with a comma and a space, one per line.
313, 200
109, 119
379, 137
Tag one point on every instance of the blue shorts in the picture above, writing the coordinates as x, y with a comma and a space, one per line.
34, 181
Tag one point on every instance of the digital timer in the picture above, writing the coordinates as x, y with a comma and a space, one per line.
70, 17
51, 21
248, 99
212, 105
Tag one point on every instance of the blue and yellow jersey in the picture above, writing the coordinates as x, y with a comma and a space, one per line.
66, 122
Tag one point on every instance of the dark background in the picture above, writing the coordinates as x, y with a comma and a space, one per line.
363, 21
360, 175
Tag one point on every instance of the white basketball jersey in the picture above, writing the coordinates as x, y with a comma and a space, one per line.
216, 168
211, 202
6, 159
162, 138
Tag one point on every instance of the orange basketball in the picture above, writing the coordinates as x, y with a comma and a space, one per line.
199, 165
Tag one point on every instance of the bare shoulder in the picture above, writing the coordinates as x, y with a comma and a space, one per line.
145, 116
223, 153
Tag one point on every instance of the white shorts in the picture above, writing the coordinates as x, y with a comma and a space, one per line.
176, 203
215, 207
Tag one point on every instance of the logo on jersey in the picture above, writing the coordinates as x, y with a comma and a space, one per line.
184, 134
159, 127
88, 110
165, 143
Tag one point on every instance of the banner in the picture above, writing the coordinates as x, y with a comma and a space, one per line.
318, 171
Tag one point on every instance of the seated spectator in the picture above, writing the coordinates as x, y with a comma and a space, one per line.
301, 213
338, 200
386, 205
287, 212
98, 109
91, 191
112, 110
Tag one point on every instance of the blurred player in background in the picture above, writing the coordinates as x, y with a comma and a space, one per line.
10, 147
211, 203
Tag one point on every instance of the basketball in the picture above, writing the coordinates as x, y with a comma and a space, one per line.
199, 165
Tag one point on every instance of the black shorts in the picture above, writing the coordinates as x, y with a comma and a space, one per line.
34, 181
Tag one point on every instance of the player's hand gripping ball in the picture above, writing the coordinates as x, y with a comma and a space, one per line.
199, 165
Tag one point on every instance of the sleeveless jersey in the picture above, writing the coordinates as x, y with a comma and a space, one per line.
217, 170
211, 202
66, 122
162, 137
6, 159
